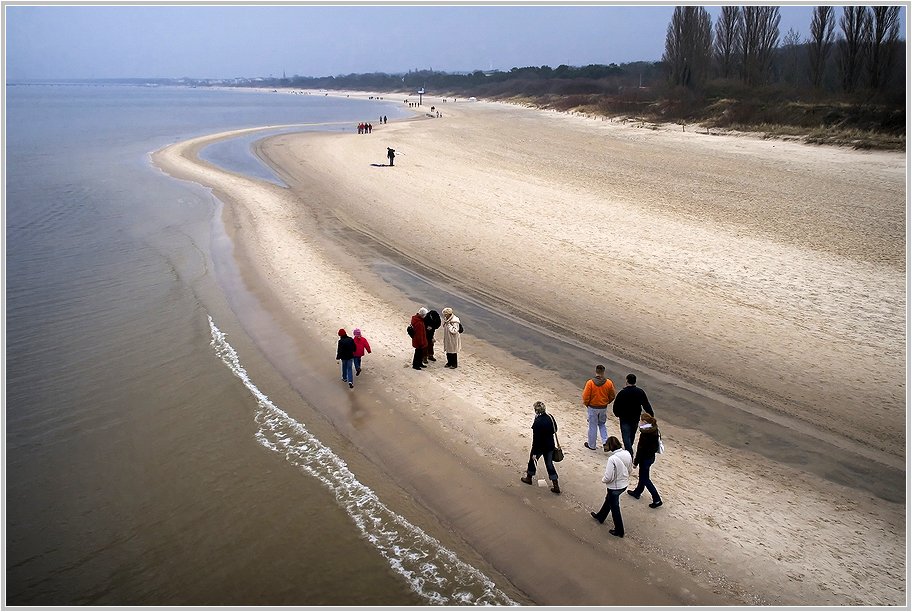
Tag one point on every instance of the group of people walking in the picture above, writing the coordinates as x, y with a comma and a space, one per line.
365, 128
630, 405
422, 329
635, 415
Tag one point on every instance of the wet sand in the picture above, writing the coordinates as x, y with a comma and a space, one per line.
638, 246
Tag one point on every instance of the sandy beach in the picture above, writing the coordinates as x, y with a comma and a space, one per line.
756, 286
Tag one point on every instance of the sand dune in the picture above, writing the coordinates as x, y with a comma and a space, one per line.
770, 273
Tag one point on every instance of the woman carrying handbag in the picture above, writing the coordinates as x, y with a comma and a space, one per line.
544, 431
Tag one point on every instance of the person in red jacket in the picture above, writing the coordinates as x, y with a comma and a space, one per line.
419, 338
361, 345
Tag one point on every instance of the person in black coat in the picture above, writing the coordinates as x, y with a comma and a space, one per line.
543, 429
431, 323
630, 402
345, 352
647, 448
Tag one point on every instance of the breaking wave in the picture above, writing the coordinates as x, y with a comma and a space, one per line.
433, 572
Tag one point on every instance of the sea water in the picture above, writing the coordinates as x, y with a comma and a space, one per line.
148, 457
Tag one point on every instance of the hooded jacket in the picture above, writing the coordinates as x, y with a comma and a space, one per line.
617, 471
598, 393
361, 345
647, 444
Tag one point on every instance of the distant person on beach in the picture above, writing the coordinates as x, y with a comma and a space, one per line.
597, 394
391, 153
361, 345
345, 352
360, 128
543, 429
432, 323
616, 478
418, 332
370, 127
628, 405
384, 119
647, 448
452, 342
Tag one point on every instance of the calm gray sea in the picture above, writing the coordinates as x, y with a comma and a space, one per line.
148, 458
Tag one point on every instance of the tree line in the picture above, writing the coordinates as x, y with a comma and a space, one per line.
842, 81
744, 44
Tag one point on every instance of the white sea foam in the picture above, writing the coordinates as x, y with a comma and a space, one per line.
432, 571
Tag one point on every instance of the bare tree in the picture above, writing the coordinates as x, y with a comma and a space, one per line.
758, 37
726, 40
850, 58
688, 46
792, 46
881, 35
823, 23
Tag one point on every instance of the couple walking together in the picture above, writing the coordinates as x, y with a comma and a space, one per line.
617, 473
349, 352
634, 413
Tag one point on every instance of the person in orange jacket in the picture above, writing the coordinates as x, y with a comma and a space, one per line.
598, 393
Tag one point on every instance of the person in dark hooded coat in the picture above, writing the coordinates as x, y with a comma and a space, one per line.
432, 323
647, 447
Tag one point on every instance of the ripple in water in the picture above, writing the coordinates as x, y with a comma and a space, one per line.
432, 571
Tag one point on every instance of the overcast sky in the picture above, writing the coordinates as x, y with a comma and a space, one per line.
58, 42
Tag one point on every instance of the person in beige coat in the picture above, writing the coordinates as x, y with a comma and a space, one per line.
452, 341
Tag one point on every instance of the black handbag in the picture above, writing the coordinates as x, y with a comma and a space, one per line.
558, 452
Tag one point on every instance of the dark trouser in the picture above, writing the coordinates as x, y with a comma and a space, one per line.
549, 465
628, 434
418, 358
451, 359
429, 351
612, 504
645, 482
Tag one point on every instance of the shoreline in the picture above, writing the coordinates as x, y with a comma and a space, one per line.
266, 227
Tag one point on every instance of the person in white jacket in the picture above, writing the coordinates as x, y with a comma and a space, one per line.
616, 478
452, 342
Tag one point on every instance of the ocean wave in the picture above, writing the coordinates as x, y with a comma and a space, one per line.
434, 572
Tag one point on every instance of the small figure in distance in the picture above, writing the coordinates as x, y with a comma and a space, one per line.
628, 405
543, 429
345, 352
361, 345
419, 338
597, 394
647, 447
391, 154
616, 478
